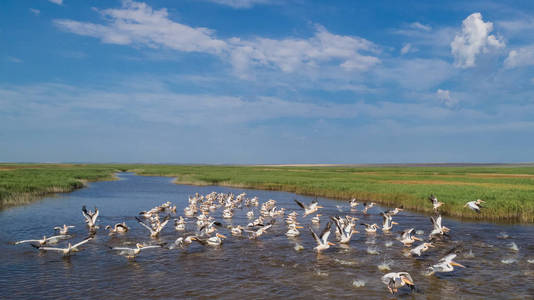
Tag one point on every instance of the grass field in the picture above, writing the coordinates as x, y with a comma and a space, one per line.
507, 190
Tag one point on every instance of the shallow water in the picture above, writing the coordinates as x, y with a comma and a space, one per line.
269, 267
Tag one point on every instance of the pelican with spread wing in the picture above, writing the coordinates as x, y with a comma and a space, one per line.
309, 209
65, 251
322, 240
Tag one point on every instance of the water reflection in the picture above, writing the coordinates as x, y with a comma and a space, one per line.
272, 266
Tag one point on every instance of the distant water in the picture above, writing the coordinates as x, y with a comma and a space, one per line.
269, 267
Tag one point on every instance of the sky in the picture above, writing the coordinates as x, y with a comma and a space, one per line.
266, 81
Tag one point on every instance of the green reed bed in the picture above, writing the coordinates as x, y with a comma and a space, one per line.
21, 184
508, 191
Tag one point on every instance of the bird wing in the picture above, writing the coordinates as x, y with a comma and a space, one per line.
150, 247
82, 242
433, 199
326, 232
146, 226
27, 241
58, 238
51, 249
95, 215
317, 239
300, 204
448, 258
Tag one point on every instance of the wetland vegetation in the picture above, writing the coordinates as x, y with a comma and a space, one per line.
507, 189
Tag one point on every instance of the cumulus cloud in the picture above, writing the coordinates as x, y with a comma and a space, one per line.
35, 11
240, 3
475, 38
520, 57
58, 2
444, 97
137, 23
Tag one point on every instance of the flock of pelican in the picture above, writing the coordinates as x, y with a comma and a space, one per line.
200, 210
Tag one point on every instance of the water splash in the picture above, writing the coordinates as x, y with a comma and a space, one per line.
530, 261
508, 261
420, 232
513, 246
388, 244
357, 283
298, 247
372, 251
503, 235
385, 266
345, 262
469, 254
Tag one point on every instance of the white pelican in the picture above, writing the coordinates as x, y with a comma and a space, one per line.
353, 203
407, 238
255, 234
183, 241
420, 249
63, 230
435, 203
236, 230
293, 230
66, 251
46, 240
388, 222
250, 214
133, 252
316, 219
215, 240
322, 240
438, 230
345, 229
309, 209
154, 232
90, 217
394, 281
474, 205
395, 211
445, 264
366, 206
370, 228
179, 224
118, 228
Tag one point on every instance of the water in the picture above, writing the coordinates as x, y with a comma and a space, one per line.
270, 267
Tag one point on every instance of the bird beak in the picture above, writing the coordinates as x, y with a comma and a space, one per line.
221, 236
430, 245
331, 244
319, 215
394, 223
406, 280
300, 227
318, 206
417, 239
457, 264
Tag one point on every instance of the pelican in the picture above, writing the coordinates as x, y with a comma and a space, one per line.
388, 222
445, 264
179, 224
438, 229
394, 211
420, 249
90, 217
366, 206
46, 240
250, 214
345, 228
63, 230
118, 228
435, 203
394, 281
370, 228
316, 219
407, 238
353, 203
309, 209
66, 251
322, 240
236, 230
293, 230
475, 205
215, 240
154, 232
133, 252
255, 234
183, 241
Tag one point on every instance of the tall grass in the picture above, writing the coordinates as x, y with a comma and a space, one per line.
507, 190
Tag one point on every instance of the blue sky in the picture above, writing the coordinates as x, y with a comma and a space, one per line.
266, 81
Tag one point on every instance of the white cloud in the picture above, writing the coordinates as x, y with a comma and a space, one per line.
520, 57
419, 26
240, 3
138, 24
445, 97
407, 48
291, 54
58, 2
35, 11
474, 39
